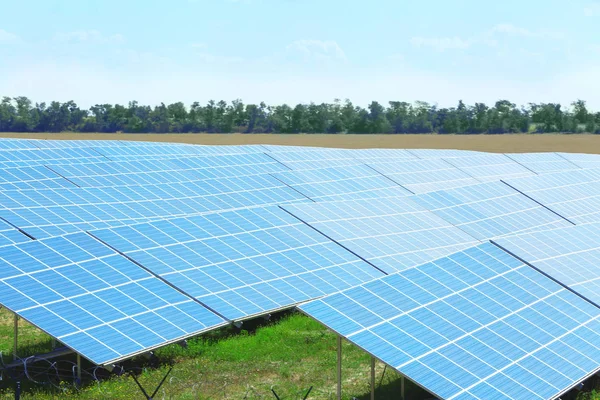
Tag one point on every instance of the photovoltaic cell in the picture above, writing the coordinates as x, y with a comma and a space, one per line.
422, 176
569, 255
94, 300
543, 162
574, 194
490, 167
242, 263
490, 210
392, 233
341, 183
46, 213
478, 324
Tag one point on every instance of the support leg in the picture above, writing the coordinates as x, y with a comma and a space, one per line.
372, 378
16, 336
79, 368
402, 387
339, 367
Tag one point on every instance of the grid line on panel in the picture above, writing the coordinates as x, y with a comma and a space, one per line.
157, 276
521, 164
536, 201
19, 229
67, 179
559, 329
335, 241
544, 273
276, 160
385, 176
567, 160
293, 188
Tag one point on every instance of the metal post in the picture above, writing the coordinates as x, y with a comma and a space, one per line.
16, 336
79, 368
402, 387
339, 367
372, 378
53, 344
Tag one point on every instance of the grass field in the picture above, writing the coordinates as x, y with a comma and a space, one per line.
494, 143
292, 352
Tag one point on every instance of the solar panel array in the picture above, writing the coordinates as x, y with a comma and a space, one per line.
473, 274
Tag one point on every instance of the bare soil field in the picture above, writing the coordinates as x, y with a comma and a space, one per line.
517, 143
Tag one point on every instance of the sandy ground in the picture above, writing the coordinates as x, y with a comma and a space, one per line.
491, 143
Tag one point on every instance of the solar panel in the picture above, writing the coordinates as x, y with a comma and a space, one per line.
442, 153
543, 162
351, 182
570, 255
148, 172
422, 176
490, 167
10, 235
242, 263
37, 177
574, 194
582, 160
51, 212
392, 233
478, 324
489, 210
94, 300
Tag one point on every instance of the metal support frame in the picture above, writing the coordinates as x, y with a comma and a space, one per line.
402, 387
146, 395
79, 368
339, 367
372, 378
16, 336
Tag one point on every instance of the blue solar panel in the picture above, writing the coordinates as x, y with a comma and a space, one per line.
422, 176
570, 255
170, 170
392, 233
242, 263
39, 177
543, 162
574, 194
490, 210
342, 183
46, 213
94, 300
582, 160
490, 167
475, 325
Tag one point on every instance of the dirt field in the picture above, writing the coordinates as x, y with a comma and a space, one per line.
491, 143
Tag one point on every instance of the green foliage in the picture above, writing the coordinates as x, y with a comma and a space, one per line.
19, 114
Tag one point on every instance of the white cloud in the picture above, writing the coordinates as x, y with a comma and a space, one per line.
512, 30
7, 37
318, 49
442, 43
89, 36
592, 10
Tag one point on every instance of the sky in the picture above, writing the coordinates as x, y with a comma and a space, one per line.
298, 51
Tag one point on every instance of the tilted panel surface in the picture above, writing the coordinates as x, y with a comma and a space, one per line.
570, 255
391, 233
94, 300
490, 210
490, 167
242, 263
341, 183
50, 212
574, 194
422, 176
478, 324
543, 162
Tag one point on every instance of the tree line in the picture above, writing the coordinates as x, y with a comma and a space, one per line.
20, 114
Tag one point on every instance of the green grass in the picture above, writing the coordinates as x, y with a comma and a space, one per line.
290, 354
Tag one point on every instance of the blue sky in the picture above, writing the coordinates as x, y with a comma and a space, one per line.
290, 51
